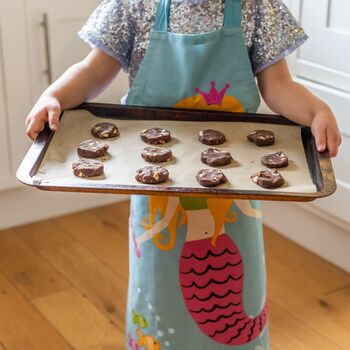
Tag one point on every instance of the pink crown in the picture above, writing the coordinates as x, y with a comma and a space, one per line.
214, 97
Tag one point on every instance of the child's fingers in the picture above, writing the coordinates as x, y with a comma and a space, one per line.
35, 112
26, 123
319, 132
333, 142
54, 111
35, 126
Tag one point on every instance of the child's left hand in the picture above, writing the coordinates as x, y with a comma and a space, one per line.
325, 130
294, 101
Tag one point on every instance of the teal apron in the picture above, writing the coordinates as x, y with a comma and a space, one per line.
197, 267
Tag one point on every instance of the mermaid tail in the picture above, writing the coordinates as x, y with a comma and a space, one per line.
211, 281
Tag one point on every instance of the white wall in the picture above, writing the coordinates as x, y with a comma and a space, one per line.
316, 229
24, 205
22, 79
323, 66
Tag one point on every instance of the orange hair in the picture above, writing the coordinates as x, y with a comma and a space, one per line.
219, 208
158, 204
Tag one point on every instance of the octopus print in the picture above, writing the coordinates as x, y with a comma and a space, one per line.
211, 271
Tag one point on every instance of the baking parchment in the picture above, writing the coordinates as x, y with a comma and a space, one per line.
125, 153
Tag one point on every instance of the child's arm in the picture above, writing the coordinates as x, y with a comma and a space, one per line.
292, 100
81, 82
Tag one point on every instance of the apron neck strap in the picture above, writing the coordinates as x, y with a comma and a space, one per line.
232, 15
162, 17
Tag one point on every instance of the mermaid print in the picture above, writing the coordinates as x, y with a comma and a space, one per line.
211, 271
212, 287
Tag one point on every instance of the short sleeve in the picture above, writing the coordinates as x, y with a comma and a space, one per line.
111, 28
277, 34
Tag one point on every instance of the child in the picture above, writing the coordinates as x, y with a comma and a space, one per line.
197, 274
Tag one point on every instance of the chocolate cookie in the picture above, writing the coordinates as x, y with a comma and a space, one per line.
105, 130
92, 149
152, 175
211, 177
155, 136
156, 154
268, 178
275, 160
87, 168
262, 137
211, 137
216, 157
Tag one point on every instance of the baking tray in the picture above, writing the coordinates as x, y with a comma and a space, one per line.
43, 163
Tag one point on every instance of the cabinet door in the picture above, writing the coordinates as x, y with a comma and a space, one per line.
323, 65
4, 145
24, 48
326, 57
54, 44
16, 75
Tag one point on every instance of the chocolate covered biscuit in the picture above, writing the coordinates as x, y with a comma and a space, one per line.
268, 178
211, 137
211, 177
156, 154
262, 137
152, 175
105, 130
87, 168
216, 157
275, 160
92, 149
155, 136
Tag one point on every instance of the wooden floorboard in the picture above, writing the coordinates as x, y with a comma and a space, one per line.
22, 326
63, 285
79, 321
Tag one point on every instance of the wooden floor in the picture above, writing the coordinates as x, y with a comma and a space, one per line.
63, 286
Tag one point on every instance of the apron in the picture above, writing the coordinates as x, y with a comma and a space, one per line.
197, 267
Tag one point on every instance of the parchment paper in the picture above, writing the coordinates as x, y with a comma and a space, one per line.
125, 153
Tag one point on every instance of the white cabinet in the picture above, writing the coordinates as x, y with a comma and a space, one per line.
16, 79
323, 65
53, 42
31, 47
58, 22
4, 146
326, 57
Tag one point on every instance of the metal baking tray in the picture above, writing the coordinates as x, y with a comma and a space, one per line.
317, 166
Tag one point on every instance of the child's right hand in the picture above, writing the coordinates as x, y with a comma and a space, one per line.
47, 109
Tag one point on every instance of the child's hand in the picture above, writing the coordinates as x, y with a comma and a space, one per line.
292, 100
325, 130
47, 109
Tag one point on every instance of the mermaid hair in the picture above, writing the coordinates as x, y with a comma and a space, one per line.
157, 205
219, 208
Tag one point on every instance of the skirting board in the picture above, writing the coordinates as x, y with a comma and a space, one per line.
24, 205
300, 224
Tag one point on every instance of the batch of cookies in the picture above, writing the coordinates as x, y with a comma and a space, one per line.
89, 166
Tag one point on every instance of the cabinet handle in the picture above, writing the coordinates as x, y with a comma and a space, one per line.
48, 71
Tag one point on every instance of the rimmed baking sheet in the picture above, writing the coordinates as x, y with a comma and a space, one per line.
303, 180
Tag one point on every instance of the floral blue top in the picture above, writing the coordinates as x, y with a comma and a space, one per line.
121, 28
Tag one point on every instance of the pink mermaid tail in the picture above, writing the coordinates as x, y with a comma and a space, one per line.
211, 280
